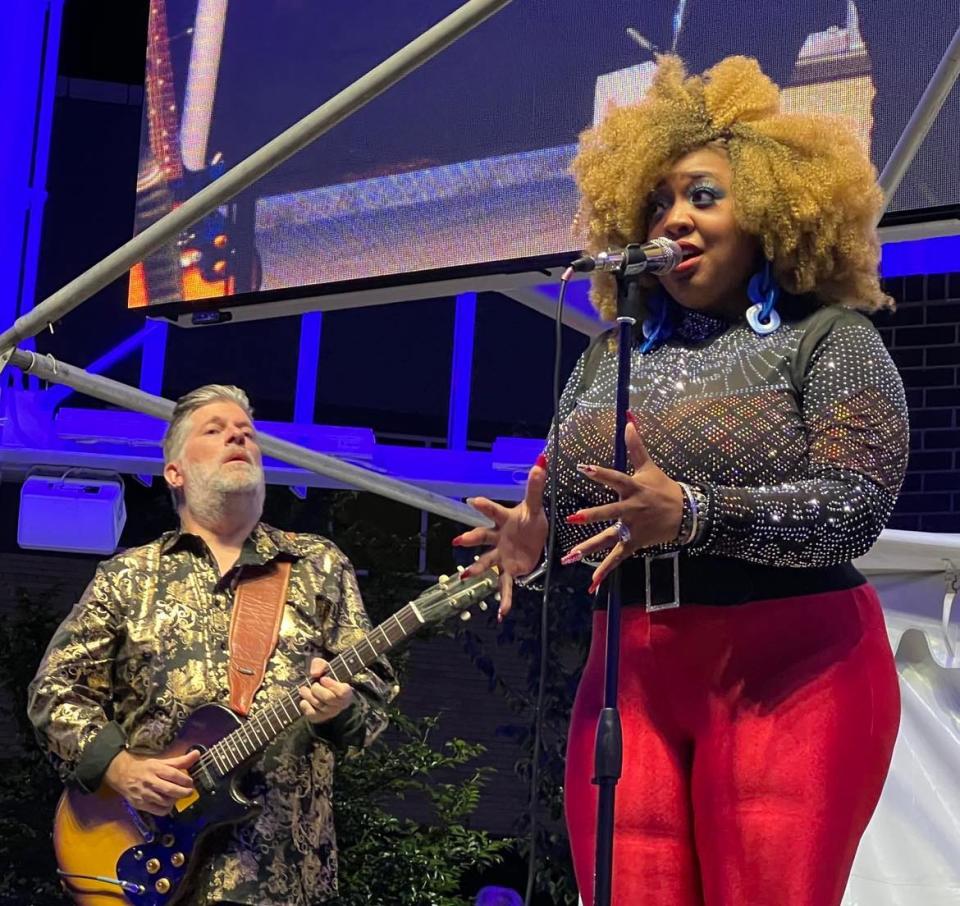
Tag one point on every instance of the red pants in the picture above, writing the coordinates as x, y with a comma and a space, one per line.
756, 742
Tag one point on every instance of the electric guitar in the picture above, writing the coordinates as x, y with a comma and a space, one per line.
110, 854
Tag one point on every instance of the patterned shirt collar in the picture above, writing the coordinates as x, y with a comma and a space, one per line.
262, 545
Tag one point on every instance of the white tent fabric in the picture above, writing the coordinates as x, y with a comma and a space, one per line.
910, 854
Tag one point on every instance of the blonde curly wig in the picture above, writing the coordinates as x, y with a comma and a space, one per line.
802, 183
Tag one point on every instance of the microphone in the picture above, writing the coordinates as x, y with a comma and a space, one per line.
659, 256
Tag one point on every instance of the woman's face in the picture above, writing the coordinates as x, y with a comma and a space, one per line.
693, 205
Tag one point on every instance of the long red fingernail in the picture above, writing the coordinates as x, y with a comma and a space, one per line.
541, 461
576, 519
632, 419
572, 557
466, 573
586, 469
458, 541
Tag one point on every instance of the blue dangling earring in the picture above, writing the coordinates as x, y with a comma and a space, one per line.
764, 292
657, 326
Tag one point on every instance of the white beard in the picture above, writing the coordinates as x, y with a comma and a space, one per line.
213, 495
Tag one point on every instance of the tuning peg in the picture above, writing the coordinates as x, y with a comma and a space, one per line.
496, 596
460, 569
465, 616
442, 579
476, 557
482, 605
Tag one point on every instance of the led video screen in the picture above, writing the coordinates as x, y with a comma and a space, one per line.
465, 162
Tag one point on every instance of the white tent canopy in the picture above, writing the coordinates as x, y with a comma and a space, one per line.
910, 854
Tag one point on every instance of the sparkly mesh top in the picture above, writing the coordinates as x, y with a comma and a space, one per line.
799, 438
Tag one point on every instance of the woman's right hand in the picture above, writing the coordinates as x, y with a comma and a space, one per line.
517, 537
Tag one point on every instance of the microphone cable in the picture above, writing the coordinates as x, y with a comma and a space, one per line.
553, 461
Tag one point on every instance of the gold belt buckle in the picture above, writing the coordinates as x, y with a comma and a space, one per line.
651, 606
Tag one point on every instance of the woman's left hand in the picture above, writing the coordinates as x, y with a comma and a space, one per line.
650, 508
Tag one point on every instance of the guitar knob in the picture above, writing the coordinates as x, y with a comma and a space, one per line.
177, 859
152, 866
162, 886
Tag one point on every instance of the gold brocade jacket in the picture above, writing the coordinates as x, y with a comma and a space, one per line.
147, 644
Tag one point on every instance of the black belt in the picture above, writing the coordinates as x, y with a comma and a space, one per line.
722, 581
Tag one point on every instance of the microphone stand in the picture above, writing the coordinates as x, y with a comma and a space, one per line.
608, 754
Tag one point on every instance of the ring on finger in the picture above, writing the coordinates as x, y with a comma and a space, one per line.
623, 531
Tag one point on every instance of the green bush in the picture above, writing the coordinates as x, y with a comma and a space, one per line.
385, 859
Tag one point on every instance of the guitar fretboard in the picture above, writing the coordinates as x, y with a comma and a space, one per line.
256, 734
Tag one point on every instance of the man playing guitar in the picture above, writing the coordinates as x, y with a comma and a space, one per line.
156, 635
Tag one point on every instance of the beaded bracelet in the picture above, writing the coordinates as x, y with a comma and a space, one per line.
691, 521
688, 516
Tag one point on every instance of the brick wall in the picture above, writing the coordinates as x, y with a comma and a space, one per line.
923, 336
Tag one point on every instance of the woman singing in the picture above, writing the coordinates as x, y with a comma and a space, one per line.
767, 442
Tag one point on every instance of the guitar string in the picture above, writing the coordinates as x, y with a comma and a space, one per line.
210, 757
261, 721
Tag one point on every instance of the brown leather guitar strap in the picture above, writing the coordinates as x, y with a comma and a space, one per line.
254, 629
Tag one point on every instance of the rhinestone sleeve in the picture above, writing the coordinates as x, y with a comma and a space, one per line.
853, 407
799, 438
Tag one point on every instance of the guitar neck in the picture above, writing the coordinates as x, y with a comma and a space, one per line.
252, 737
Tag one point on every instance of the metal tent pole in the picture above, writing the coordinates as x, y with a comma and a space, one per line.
934, 97
50, 369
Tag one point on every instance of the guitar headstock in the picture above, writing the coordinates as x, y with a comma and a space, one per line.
452, 595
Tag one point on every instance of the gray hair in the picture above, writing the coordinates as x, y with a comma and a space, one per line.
176, 434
